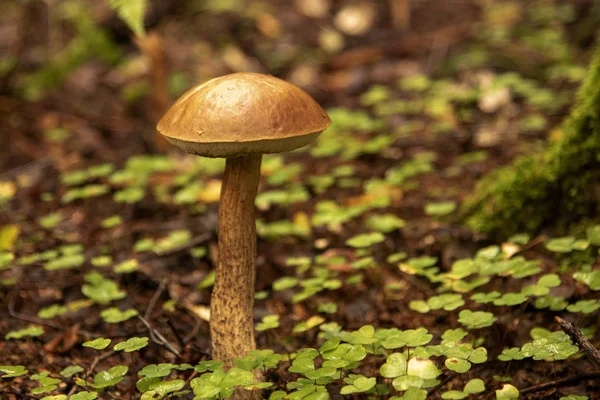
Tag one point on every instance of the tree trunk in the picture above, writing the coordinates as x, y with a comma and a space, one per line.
232, 303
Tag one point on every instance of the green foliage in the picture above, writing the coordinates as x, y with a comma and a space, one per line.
508, 392
85, 395
549, 346
219, 384
109, 377
101, 289
477, 319
71, 370
365, 240
98, 344
113, 315
132, 12
30, 331
132, 344
12, 371
440, 209
474, 386
268, 322
357, 384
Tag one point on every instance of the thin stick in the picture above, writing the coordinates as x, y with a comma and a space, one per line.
91, 368
40, 164
155, 298
180, 342
562, 382
133, 374
36, 320
194, 331
577, 337
160, 339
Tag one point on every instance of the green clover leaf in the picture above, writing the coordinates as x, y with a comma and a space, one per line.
395, 365
359, 385
30, 331
113, 315
156, 370
98, 344
477, 319
12, 371
508, 392
132, 344
365, 240
457, 365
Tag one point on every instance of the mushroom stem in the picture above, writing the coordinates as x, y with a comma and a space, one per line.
231, 310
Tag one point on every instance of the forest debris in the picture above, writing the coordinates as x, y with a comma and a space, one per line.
331, 40
410, 44
200, 311
158, 338
269, 25
400, 11
153, 48
312, 8
355, 19
570, 381
67, 338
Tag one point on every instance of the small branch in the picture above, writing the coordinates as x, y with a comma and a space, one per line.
158, 338
194, 331
38, 164
191, 243
28, 318
155, 298
36, 320
10, 390
91, 369
175, 333
133, 375
577, 337
562, 382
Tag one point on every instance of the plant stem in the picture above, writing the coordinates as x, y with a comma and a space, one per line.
232, 320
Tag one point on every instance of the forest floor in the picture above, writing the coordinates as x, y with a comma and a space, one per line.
358, 229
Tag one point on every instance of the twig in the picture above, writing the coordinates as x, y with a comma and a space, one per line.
194, 331
41, 163
434, 389
577, 337
191, 243
10, 390
155, 298
133, 374
175, 333
91, 368
159, 338
35, 320
562, 382
28, 318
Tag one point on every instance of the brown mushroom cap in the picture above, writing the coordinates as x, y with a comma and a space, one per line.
243, 113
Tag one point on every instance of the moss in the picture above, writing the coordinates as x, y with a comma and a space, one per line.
557, 187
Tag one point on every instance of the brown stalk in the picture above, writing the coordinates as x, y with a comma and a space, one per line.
232, 302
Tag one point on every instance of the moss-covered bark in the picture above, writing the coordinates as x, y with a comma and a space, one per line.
554, 188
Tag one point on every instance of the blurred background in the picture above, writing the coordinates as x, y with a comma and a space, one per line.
81, 69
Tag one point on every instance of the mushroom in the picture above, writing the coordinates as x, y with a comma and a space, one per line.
240, 117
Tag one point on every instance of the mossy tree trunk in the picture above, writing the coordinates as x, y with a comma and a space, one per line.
555, 188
